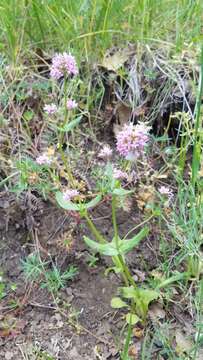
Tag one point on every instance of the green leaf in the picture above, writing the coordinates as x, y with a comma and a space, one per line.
142, 298
129, 244
93, 202
128, 292
174, 278
71, 125
28, 115
107, 249
122, 192
67, 205
132, 319
117, 303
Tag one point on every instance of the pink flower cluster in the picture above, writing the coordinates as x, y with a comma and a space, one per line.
119, 174
44, 159
50, 109
71, 104
69, 194
105, 153
132, 139
63, 65
166, 191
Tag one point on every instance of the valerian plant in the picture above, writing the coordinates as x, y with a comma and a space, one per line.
131, 143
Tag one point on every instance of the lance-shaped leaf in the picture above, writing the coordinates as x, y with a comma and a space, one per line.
107, 249
71, 125
129, 244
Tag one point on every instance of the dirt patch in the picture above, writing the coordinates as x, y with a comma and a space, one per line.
80, 324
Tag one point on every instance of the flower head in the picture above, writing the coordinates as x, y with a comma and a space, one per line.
44, 159
50, 109
69, 194
105, 153
166, 191
132, 139
119, 174
63, 65
71, 104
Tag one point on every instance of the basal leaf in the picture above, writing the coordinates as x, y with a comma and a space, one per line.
132, 319
117, 303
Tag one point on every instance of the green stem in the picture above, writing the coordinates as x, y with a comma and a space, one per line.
124, 267
115, 228
127, 272
198, 127
101, 240
66, 165
94, 230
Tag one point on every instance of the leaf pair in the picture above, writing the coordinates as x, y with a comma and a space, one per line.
68, 205
112, 248
142, 298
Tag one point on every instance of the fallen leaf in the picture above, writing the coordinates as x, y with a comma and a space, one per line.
138, 332
134, 350
183, 344
115, 61
123, 112
156, 312
145, 196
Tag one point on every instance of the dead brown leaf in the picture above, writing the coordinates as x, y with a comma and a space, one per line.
156, 312
117, 60
145, 196
183, 343
138, 332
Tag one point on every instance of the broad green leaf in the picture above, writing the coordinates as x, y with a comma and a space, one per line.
133, 293
129, 244
132, 319
122, 192
107, 249
118, 303
70, 126
142, 298
128, 292
67, 205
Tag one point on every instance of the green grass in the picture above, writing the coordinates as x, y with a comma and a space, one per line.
88, 25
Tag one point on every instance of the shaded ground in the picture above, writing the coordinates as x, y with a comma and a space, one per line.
81, 323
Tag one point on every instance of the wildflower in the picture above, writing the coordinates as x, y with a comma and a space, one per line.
71, 104
63, 65
132, 139
119, 174
69, 194
166, 191
50, 109
105, 153
44, 159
